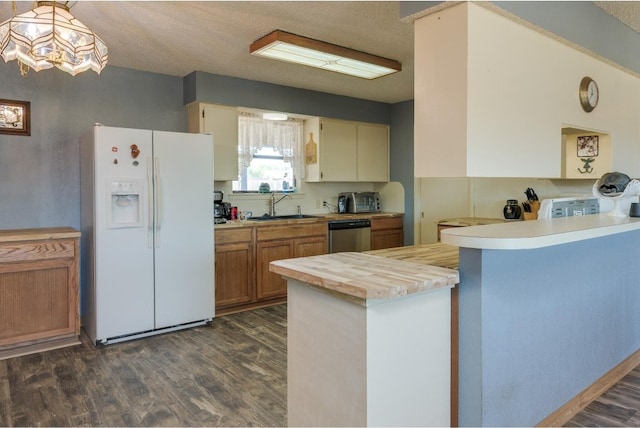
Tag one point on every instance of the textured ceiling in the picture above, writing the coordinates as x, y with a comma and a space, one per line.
177, 38
628, 12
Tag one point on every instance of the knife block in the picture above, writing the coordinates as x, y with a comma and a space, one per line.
533, 215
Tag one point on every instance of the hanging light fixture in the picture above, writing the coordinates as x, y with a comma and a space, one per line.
49, 36
315, 53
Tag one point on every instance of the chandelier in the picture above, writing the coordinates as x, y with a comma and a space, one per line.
50, 36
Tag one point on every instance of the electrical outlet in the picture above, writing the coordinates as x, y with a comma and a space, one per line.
324, 203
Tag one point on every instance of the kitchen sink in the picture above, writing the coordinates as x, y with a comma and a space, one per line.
283, 217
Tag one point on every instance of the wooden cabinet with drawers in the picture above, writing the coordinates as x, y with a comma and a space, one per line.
285, 242
243, 253
39, 290
242, 257
234, 261
387, 232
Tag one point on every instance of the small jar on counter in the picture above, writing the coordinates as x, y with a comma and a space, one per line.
512, 210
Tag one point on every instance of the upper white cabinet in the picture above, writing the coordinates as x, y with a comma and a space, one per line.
222, 123
491, 97
347, 151
373, 152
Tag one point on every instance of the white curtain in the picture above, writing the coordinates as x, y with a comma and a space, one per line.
284, 136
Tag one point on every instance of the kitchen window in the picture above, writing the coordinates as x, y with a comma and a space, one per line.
268, 152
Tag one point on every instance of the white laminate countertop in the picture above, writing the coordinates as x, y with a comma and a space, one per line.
538, 233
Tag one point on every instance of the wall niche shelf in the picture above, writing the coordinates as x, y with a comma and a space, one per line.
586, 153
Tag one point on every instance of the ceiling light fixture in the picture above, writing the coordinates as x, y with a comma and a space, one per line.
50, 36
315, 53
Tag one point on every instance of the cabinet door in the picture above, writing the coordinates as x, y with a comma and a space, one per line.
387, 233
382, 239
373, 153
270, 284
39, 298
222, 123
310, 247
234, 274
337, 151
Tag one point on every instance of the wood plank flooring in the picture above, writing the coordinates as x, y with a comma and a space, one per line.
230, 373
617, 407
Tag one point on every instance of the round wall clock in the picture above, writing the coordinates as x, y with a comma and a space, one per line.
588, 94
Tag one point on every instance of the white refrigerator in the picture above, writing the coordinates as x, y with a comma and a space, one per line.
147, 232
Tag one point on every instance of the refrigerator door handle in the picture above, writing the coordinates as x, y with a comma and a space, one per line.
158, 199
149, 204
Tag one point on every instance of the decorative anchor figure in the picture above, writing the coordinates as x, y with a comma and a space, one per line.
587, 166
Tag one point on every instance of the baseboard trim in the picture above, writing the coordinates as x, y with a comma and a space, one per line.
249, 306
40, 346
596, 389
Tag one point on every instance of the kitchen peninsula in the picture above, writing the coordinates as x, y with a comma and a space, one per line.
548, 311
368, 341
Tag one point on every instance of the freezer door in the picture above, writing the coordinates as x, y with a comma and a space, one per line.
184, 265
123, 252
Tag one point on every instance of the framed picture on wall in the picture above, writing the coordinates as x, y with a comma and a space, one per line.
15, 117
588, 146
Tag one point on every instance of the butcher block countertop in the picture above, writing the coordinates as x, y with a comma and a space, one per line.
366, 276
232, 224
14, 235
442, 255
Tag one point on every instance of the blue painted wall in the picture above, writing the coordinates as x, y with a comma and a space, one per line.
39, 175
233, 91
39, 183
401, 164
539, 326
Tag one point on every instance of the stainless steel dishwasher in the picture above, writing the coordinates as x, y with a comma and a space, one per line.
349, 235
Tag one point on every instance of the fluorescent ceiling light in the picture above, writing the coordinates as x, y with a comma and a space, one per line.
315, 53
275, 116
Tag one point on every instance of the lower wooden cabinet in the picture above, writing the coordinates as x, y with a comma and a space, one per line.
242, 257
270, 284
387, 232
243, 254
234, 261
285, 242
39, 290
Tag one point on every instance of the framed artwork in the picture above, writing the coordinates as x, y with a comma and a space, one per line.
15, 117
588, 146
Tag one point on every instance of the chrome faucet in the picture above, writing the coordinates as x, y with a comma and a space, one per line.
272, 208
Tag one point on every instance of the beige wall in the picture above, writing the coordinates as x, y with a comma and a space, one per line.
311, 195
492, 96
443, 198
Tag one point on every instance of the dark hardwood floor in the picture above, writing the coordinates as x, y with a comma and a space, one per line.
617, 407
230, 373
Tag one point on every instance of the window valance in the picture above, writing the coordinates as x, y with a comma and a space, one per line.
285, 137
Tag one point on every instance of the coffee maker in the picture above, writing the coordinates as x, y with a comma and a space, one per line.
221, 210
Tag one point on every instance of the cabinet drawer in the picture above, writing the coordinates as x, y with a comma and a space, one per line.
40, 250
230, 236
386, 223
291, 231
